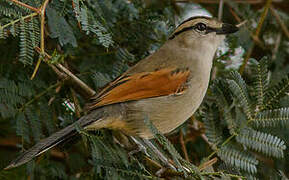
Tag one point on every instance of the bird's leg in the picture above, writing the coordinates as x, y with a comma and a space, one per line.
141, 148
160, 156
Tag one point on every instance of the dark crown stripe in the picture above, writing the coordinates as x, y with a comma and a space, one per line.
187, 28
195, 17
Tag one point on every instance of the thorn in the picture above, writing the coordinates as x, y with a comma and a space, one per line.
242, 23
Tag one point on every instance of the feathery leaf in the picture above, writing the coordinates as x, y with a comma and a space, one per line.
239, 89
272, 118
262, 142
260, 73
239, 159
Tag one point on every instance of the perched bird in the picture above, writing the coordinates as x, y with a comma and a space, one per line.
166, 87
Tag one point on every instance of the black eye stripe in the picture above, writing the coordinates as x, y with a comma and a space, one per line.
208, 30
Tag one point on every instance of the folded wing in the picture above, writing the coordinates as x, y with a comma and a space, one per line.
137, 86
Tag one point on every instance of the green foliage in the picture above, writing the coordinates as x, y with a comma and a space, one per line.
179, 161
237, 111
59, 28
262, 142
244, 117
238, 159
109, 160
116, 163
212, 126
221, 92
15, 22
26, 45
276, 92
271, 118
90, 24
239, 90
261, 83
22, 127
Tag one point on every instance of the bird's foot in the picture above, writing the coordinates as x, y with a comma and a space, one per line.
140, 148
160, 155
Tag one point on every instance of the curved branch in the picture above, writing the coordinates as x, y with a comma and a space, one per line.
25, 5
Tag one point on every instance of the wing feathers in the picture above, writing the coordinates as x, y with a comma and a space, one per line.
142, 85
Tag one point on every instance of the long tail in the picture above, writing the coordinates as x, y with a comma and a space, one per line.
53, 140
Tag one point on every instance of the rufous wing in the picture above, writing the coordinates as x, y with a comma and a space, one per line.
137, 86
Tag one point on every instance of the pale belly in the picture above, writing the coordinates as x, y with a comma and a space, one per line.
166, 113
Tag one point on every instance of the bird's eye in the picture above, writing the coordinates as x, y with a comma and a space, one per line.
201, 27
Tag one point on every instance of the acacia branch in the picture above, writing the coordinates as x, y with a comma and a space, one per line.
43, 9
279, 20
56, 67
208, 163
42, 44
183, 145
25, 5
17, 20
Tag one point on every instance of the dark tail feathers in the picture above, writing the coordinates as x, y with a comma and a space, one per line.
43, 146
55, 139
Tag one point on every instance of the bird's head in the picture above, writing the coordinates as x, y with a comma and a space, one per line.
202, 30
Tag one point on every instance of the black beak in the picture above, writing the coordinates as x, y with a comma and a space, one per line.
227, 29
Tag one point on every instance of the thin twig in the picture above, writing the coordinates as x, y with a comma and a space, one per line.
223, 144
241, 23
88, 91
183, 145
220, 10
36, 68
234, 14
208, 163
57, 89
167, 173
277, 45
42, 39
17, 20
246, 59
263, 16
257, 32
76, 14
206, 139
255, 38
40, 95
220, 14
76, 103
25, 5
60, 74
279, 20
220, 173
